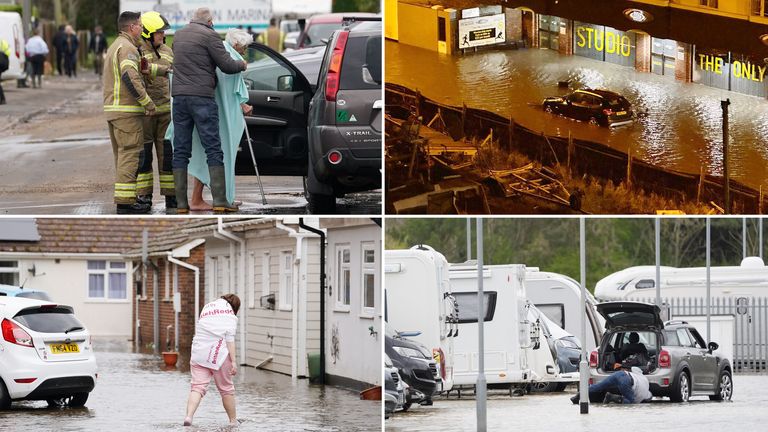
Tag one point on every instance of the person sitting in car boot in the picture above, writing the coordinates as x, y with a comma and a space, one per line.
629, 382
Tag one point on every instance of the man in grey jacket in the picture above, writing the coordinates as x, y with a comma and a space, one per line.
197, 51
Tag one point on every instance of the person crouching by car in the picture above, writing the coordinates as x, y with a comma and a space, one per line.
629, 381
213, 355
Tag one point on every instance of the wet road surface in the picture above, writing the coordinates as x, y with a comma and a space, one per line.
134, 393
554, 412
681, 127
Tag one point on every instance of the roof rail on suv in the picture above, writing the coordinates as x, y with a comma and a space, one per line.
676, 322
348, 20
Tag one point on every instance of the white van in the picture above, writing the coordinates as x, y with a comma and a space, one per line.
559, 298
750, 279
418, 298
507, 332
12, 32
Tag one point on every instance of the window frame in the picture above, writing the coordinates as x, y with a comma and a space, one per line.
12, 270
340, 267
366, 269
286, 288
106, 272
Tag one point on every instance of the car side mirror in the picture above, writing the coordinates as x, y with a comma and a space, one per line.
713, 346
285, 83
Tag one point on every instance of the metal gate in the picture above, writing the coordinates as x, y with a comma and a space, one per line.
663, 52
750, 318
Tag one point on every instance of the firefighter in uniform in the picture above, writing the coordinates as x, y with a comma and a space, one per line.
159, 59
125, 103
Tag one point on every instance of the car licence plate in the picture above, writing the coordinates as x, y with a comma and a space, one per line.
64, 348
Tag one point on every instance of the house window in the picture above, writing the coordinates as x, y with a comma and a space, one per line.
107, 280
9, 273
265, 280
286, 280
368, 270
343, 277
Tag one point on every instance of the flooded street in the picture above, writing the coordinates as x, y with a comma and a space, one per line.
554, 412
133, 392
680, 126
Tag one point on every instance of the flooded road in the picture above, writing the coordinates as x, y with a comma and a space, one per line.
554, 412
681, 124
134, 393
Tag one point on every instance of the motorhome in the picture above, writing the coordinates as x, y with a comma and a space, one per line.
418, 299
507, 331
559, 298
12, 32
749, 279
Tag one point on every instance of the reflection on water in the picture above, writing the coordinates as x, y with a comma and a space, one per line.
680, 126
135, 392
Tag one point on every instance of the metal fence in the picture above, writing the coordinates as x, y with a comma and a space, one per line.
750, 320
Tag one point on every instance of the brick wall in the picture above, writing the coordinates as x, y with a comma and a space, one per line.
186, 283
683, 70
643, 53
514, 21
566, 40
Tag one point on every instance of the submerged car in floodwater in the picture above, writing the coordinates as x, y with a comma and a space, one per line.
599, 107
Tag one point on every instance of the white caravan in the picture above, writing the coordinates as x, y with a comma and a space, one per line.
750, 279
507, 331
418, 298
559, 298
12, 32
554, 357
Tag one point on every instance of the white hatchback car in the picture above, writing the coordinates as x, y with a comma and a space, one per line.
45, 354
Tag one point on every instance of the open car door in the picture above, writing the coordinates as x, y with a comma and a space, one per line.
280, 95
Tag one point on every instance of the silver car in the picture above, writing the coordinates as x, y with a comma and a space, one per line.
673, 355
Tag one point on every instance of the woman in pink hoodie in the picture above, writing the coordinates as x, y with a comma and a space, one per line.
213, 355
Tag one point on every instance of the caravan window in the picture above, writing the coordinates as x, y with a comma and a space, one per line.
645, 284
468, 312
555, 312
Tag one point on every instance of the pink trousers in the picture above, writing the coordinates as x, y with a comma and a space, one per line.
201, 377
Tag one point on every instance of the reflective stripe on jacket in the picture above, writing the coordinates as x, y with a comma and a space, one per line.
124, 92
158, 86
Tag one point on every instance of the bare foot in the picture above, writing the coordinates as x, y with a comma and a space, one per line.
200, 206
188, 421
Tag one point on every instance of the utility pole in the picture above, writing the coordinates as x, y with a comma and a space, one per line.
724, 104
583, 365
760, 236
743, 238
709, 282
26, 11
657, 232
469, 239
480, 385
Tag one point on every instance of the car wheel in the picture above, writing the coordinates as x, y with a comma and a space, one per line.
724, 388
5, 398
76, 400
593, 121
322, 204
682, 388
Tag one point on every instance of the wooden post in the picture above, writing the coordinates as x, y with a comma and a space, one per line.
760, 201
629, 167
510, 131
419, 102
463, 120
570, 152
701, 185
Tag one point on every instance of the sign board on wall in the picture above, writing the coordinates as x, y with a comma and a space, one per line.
480, 31
604, 43
226, 13
731, 72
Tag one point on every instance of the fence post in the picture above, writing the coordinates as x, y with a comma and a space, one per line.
463, 120
701, 185
629, 167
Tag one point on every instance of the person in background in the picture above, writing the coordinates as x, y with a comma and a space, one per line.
98, 46
273, 37
37, 50
58, 44
5, 56
213, 355
198, 51
71, 43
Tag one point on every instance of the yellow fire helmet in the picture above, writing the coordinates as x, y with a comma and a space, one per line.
152, 22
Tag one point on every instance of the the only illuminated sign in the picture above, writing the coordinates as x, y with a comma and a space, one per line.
739, 69
480, 31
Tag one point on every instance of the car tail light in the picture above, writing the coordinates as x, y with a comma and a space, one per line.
607, 111
591, 381
15, 334
334, 157
333, 78
665, 381
593, 359
664, 359
437, 354
25, 380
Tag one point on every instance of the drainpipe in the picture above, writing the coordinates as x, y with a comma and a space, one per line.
321, 233
226, 235
295, 303
136, 343
155, 307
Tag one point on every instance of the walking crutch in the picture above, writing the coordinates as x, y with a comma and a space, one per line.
253, 159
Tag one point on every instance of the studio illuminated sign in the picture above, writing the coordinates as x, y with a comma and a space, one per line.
738, 69
600, 40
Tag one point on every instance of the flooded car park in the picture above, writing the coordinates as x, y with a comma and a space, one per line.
134, 392
535, 412
678, 126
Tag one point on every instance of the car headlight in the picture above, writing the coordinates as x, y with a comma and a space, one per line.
568, 342
409, 352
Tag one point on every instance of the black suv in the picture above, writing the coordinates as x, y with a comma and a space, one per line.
416, 365
329, 131
600, 107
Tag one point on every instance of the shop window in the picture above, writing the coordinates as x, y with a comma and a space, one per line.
708, 3
760, 7
9, 273
107, 280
